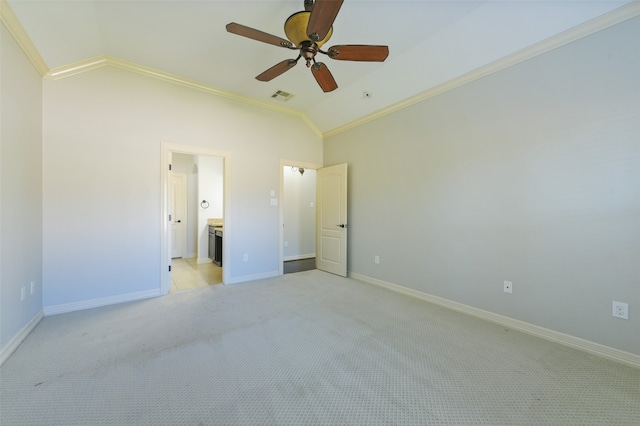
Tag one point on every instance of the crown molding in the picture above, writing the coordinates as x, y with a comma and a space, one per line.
621, 14
14, 27
614, 17
104, 60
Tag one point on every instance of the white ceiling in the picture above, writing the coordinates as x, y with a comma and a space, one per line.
430, 42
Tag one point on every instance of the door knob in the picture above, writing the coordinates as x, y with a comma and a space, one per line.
342, 225
178, 221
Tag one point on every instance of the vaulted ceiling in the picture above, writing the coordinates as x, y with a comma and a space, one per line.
432, 43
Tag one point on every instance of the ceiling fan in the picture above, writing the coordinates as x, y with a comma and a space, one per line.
307, 31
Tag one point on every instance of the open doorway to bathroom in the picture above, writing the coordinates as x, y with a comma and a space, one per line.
196, 207
298, 218
195, 193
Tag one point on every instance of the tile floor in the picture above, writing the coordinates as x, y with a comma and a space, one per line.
187, 274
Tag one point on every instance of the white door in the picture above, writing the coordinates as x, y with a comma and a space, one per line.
331, 242
177, 211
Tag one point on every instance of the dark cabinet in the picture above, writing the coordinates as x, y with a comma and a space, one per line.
215, 245
212, 242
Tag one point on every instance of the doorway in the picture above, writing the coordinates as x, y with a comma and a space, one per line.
206, 190
298, 216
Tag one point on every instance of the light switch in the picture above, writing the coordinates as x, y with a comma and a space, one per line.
273, 192
274, 201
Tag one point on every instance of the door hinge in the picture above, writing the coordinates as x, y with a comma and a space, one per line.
169, 218
169, 268
169, 166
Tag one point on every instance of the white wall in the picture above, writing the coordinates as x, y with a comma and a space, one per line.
102, 209
530, 175
299, 214
20, 192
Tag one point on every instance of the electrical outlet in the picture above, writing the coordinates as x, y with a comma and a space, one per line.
620, 310
33, 287
23, 293
376, 258
508, 287
245, 257
286, 243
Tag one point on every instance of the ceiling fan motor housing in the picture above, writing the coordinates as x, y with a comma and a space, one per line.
308, 51
295, 28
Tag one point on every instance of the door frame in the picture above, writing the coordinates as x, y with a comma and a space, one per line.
283, 164
166, 149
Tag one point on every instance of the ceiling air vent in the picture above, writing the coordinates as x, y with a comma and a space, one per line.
282, 96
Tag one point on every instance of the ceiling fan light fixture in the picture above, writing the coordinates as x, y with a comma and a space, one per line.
295, 28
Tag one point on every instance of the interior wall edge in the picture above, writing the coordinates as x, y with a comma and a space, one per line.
11, 22
12, 345
300, 257
612, 354
253, 277
99, 302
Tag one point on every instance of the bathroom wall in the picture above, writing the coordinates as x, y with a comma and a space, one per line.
299, 214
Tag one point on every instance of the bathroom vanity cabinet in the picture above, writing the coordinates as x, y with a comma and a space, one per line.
215, 244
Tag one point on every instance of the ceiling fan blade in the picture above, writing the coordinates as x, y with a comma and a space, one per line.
323, 14
323, 77
359, 52
277, 69
258, 35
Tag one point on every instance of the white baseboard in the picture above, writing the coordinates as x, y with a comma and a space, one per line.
103, 301
254, 277
299, 256
13, 344
593, 348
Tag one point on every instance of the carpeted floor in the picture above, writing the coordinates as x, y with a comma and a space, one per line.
302, 349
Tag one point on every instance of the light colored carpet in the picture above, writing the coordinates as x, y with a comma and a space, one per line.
305, 348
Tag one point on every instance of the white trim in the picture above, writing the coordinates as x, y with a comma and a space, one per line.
14, 27
16, 340
602, 22
77, 67
166, 148
254, 277
593, 348
105, 60
101, 301
609, 19
300, 256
